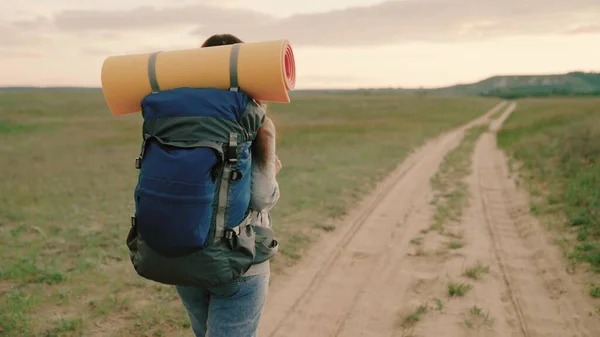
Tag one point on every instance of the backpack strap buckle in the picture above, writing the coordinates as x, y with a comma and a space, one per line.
230, 233
236, 175
138, 160
232, 149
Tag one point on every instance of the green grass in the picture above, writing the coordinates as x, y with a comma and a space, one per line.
556, 143
417, 240
325, 227
67, 184
455, 244
14, 311
439, 305
476, 318
451, 193
458, 289
410, 320
477, 271
8, 127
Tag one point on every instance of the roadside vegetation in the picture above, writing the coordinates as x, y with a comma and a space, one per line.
555, 148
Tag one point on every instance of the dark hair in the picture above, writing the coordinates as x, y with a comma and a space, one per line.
221, 40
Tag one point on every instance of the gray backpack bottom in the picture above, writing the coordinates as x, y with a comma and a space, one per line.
219, 263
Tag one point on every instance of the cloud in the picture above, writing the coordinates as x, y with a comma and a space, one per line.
386, 23
94, 51
424, 20
39, 23
12, 36
586, 29
18, 54
336, 78
104, 52
150, 18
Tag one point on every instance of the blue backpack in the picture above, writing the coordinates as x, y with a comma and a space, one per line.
192, 219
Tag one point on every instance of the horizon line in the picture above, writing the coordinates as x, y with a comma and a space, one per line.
331, 88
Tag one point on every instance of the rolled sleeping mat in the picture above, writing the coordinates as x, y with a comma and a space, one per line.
264, 70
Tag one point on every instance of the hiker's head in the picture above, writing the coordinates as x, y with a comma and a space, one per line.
261, 144
221, 40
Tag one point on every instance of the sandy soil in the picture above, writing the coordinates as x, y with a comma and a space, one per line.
365, 278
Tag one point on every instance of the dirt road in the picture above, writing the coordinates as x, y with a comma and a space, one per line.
367, 279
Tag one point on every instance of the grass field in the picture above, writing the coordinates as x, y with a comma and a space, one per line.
556, 145
66, 197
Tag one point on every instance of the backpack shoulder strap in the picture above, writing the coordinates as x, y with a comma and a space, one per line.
252, 119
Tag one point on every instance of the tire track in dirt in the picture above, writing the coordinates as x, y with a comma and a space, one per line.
487, 294
350, 283
546, 301
526, 293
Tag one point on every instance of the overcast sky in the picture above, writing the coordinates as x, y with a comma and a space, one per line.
337, 43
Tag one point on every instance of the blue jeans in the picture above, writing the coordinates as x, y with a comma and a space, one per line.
228, 310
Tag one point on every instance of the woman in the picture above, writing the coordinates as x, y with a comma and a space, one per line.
235, 309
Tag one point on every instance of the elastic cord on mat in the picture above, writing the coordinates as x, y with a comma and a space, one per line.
233, 67
152, 72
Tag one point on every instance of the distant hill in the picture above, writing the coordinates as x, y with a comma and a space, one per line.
574, 83
515, 86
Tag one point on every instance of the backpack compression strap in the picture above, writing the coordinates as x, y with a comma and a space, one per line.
152, 72
230, 173
233, 67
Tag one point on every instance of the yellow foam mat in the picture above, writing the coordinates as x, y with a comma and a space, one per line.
265, 70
